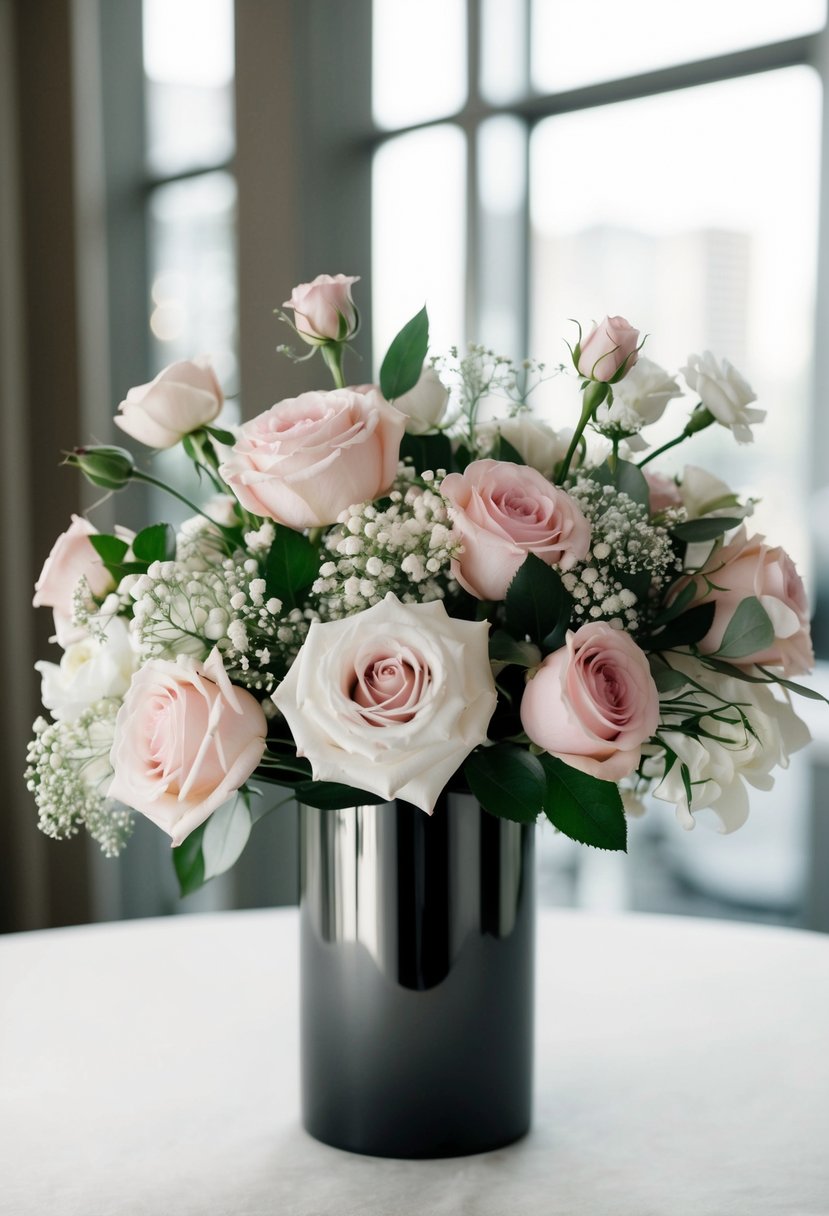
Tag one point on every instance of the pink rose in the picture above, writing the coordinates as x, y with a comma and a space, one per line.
306, 459
745, 567
503, 511
71, 559
609, 345
593, 703
324, 310
664, 492
183, 397
185, 740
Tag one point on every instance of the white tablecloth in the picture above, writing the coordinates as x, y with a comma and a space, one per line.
151, 1068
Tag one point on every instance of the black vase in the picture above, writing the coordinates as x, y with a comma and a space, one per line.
417, 963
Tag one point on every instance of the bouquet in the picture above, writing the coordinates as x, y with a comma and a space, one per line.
399, 589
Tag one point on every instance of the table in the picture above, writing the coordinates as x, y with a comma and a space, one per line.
151, 1067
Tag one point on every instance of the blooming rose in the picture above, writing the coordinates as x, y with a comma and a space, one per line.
749, 567
503, 511
724, 393
663, 492
704, 494
324, 310
536, 443
730, 753
306, 459
96, 667
185, 740
425, 404
71, 559
390, 700
593, 703
609, 345
183, 397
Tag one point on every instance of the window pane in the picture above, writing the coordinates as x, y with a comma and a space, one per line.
419, 235
503, 49
193, 276
418, 60
502, 191
577, 44
189, 64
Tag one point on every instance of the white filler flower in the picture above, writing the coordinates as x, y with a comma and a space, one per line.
390, 700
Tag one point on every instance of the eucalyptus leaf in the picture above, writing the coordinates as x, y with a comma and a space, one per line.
292, 565
188, 862
537, 605
667, 679
401, 368
507, 780
750, 630
694, 531
627, 478
583, 807
226, 833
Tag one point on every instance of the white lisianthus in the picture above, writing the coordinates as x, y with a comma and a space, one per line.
638, 400
732, 751
391, 700
724, 393
425, 404
704, 494
98, 667
538, 445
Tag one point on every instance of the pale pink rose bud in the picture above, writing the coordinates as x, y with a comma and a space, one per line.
306, 459
503, 511
324, 310
664, 492
71, 559
182, 398
745, 567
610, 347
593, 703
185, 740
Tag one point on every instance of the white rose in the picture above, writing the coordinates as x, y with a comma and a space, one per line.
720, 765
538, 445
183, 397
704, 494
638, 400
90, 670
390, 700
724, 392
425, 404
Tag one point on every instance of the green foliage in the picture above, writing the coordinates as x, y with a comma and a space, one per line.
427, 452
507, 780
188, 861
401, 368
684, 630
583, 807
155, 544
537, 605
503, 648
694, 531
627, 478
748, 631
292, 565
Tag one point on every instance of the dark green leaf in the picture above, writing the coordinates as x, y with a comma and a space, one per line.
225, 437
667, 679
504, 450
189, 862
155, 544
537, 605
463, 457
583, 807
695, 530
427, 452
507, 780
627, 478
331, 796
748, 631
811, 694
293, 564
401, 368
678, 605
684, 630
110, 549
503, 648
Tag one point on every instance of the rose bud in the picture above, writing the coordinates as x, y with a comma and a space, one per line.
182, 398
105, 466
609, 350
324, 310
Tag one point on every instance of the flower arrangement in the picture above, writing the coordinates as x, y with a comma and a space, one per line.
397, 589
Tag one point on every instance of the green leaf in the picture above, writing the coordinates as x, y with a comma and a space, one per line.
427, 452
627, 478
507, 780
504, 450
667, 679
225, 437
189, 862
696, 530
685, 630
155, 544
110, 549
537, 605
503, 648
678, 605
583, 807
225, 835
293, 564
748, 631
404, 359
331, 796
463, 457
811, 694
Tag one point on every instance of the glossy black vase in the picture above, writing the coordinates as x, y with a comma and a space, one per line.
417, 961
